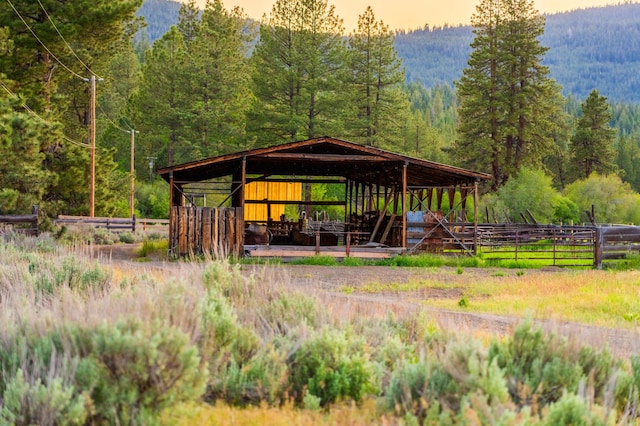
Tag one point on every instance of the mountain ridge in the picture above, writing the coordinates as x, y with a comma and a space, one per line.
590, 48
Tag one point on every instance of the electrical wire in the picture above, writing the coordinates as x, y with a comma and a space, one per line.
42, 43
32, 112
65, 41
112, 122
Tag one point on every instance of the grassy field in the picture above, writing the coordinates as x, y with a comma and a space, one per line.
602, 298
87, 342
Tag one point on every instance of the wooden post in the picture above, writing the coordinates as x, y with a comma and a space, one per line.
318, 242
475, 218
348, 244
598, 248
404, 205
240, 214
92, 135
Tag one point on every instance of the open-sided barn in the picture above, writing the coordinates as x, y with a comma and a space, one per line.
392, 203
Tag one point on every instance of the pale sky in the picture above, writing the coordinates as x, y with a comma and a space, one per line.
410, 14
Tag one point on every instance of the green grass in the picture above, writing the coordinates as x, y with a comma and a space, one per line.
150, 248
603, 298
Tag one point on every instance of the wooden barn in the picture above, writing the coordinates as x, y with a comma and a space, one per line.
389, 203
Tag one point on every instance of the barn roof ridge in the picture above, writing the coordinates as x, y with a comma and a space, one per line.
358, 153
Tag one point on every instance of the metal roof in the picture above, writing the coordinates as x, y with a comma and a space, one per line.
327, 157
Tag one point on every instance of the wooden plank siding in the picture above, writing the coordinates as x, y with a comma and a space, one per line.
206, 230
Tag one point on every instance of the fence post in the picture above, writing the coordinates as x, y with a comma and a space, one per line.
318, 242
554, 248
599, 248
133, 224
348, 243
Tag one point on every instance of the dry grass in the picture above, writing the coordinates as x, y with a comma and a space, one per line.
367, 413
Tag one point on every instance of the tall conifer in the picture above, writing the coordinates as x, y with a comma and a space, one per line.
507, 100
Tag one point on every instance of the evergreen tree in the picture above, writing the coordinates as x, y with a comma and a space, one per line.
81, 37
220, 81
507, 100
382, 107
299, 67
164, 102
23, 179
628, 161
592, 143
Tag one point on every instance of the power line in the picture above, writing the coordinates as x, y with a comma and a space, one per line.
42, 43
32, 112
112, 122
65, 41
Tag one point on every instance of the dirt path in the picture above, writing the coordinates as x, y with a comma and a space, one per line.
329, 284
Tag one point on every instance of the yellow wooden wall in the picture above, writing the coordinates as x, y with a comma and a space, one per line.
286, 191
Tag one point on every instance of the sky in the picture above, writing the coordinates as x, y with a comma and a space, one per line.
409, 14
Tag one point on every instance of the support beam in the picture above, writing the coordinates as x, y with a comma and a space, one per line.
404, 205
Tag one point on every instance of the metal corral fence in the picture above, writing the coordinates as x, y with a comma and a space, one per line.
552, 245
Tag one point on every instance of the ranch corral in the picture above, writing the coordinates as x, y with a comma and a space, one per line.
391, 204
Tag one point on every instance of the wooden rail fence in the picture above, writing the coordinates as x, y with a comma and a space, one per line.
26, 224
114, 224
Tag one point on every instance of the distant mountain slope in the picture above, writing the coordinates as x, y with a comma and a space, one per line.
159, 15
589, 48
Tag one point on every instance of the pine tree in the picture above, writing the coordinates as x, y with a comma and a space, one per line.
507, 100
81, 37
220, 80
592, 143
299, 66
382, 107
164, 102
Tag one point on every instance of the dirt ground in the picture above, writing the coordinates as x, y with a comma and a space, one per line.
328, 284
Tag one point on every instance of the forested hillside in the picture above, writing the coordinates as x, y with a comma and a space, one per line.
588, 48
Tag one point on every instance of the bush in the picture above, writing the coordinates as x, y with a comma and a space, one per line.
454, 380
614, 201
539, 367
142, 371
123, 373
51, 275
331, 367
39, 403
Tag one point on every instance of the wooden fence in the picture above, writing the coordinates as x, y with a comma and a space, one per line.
615, 243
114, 224
206, 230
26, 224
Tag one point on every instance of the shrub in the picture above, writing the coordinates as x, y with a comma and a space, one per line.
127, 237
331, 367
539, 367
455, 379
142, 371
55, 402
50, 275
571, 409
260, 379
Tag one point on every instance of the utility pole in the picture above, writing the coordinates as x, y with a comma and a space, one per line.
92, 179
133, 172
92, 138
